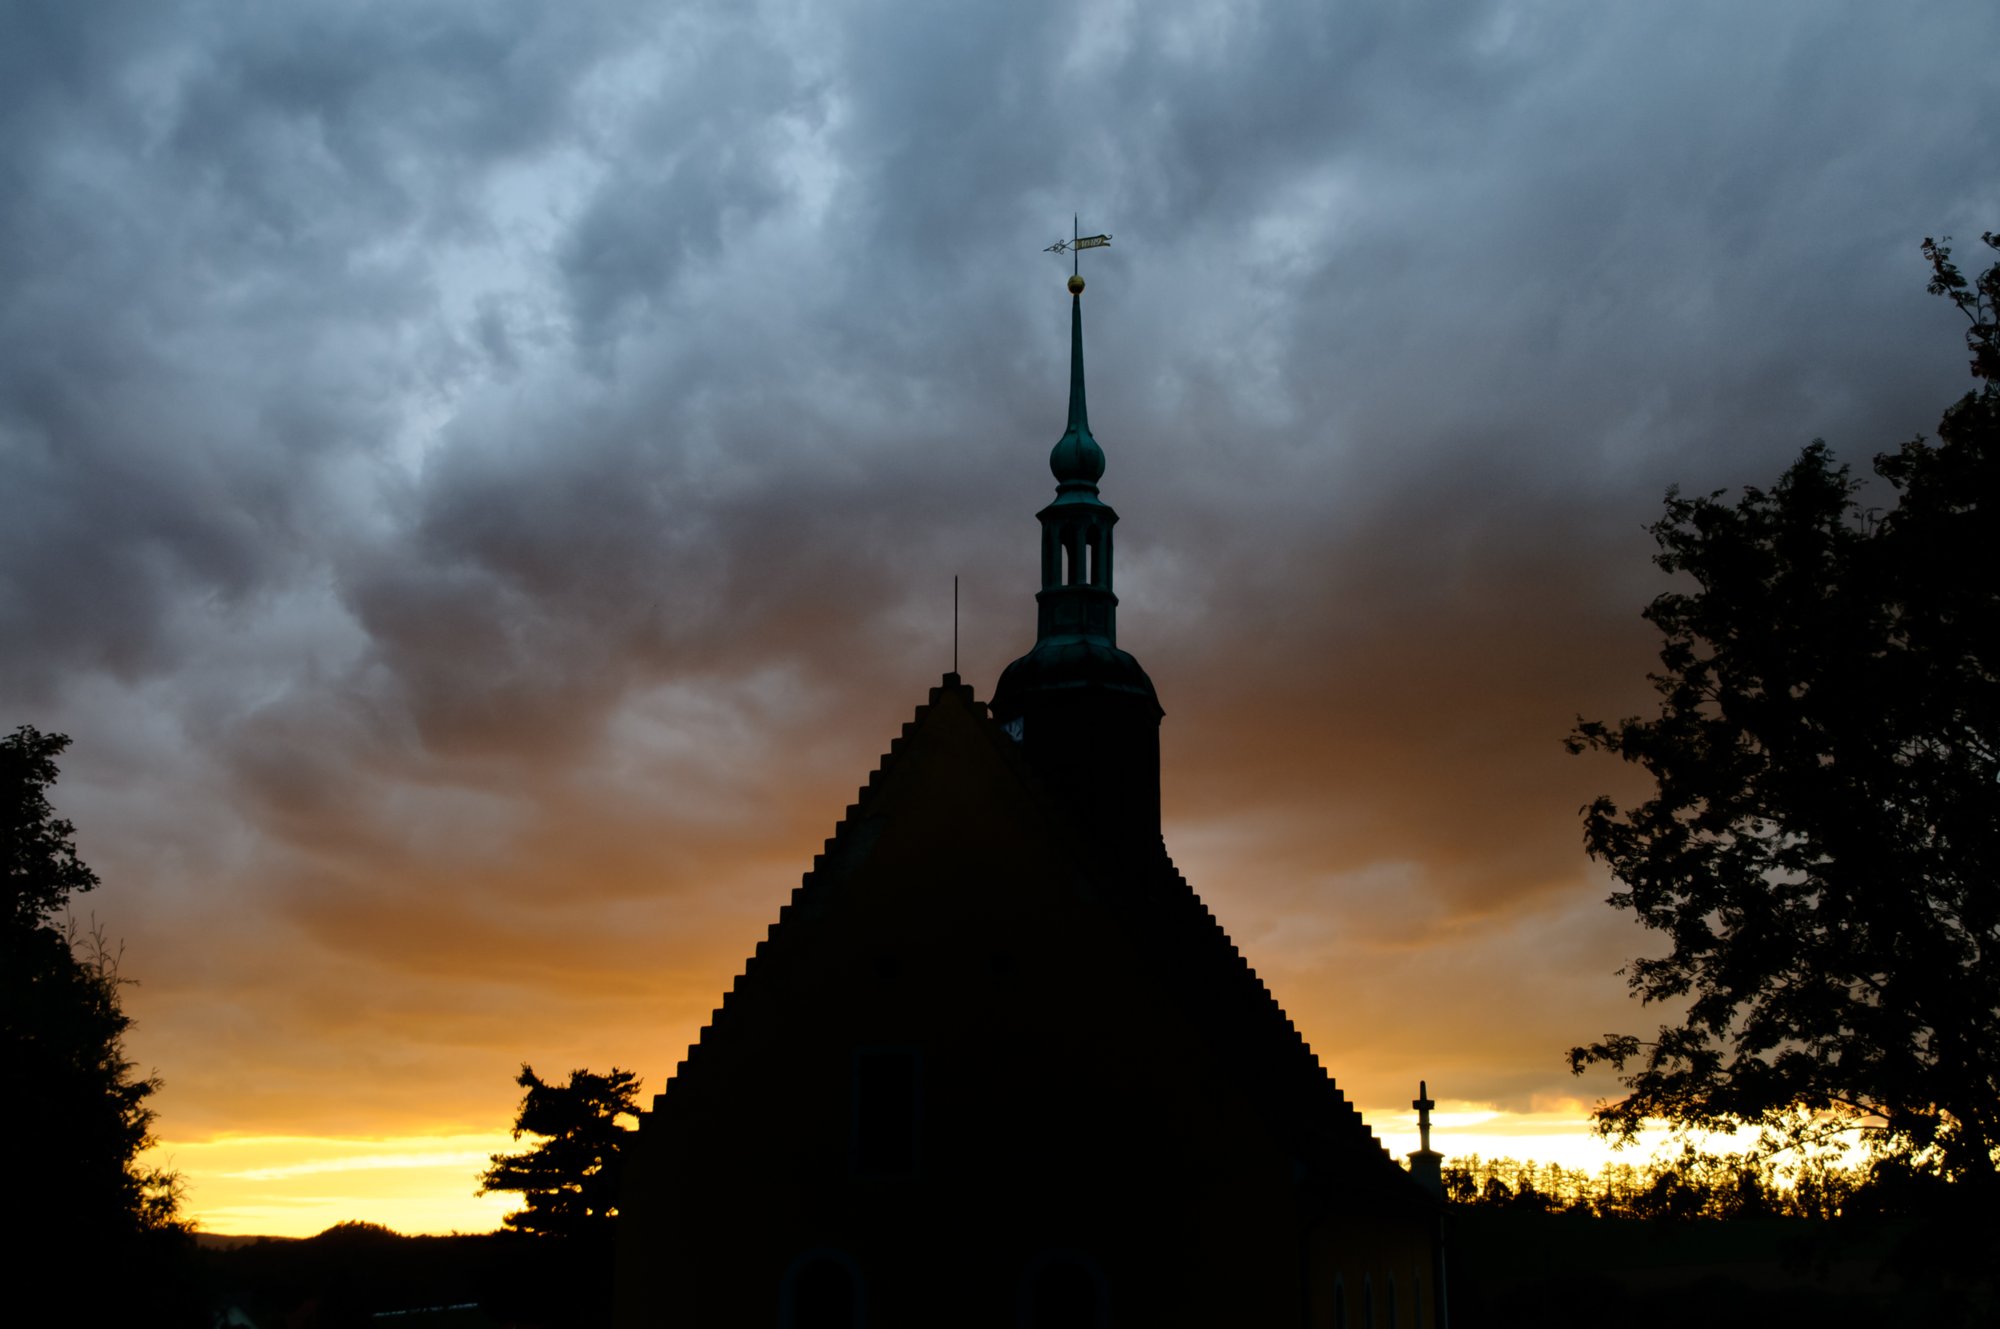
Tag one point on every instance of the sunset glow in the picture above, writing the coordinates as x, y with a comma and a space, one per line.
296, 1186
283, 1186
482, 491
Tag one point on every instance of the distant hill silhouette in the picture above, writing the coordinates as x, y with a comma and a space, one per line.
356, 1274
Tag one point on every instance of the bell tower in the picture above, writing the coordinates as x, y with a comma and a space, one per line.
1084, 711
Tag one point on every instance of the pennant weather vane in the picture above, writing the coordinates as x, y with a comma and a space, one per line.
1076, 244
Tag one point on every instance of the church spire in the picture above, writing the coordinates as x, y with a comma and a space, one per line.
1076, 599
1083, 710
1077, 458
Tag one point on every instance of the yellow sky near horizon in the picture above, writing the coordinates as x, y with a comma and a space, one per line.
296, 1186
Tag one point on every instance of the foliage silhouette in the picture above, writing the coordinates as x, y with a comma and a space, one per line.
75, 1112
570, 1180
1822, 844
1689, 1185
37, 848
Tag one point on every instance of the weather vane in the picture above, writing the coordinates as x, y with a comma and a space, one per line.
1076, 243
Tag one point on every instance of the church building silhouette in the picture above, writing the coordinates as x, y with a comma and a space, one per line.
996, 1065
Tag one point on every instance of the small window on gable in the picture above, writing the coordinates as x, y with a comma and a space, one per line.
886, 1102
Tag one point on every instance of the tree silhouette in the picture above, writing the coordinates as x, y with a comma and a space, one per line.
570, 1180
74, 1114
37, 848
1689, 1185
1822, 844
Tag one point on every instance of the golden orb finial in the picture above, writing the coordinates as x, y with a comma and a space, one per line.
1076, 286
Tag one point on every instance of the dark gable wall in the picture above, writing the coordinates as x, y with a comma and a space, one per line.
1038, 1112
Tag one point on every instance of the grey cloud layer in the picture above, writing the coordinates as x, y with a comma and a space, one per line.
471, 458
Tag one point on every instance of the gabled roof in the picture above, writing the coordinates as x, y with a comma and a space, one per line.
1189, 955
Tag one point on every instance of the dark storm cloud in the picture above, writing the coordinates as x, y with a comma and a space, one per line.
214, 294
482, 482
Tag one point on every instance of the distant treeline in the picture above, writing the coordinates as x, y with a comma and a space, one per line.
354, 1275
1692, 1185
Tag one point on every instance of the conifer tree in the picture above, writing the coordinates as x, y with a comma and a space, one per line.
570, 1180
75, 1111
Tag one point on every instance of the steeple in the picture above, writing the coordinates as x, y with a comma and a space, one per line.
1084, 711
1076, 597
1077, 458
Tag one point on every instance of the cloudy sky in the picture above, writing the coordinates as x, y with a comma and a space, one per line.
480, 482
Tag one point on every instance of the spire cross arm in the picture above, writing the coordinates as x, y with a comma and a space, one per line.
1423, 1104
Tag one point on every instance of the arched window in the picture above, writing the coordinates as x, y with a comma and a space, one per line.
1392, 1301
822, 1290
1367, 1301
1340, 1301
1064, 1292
